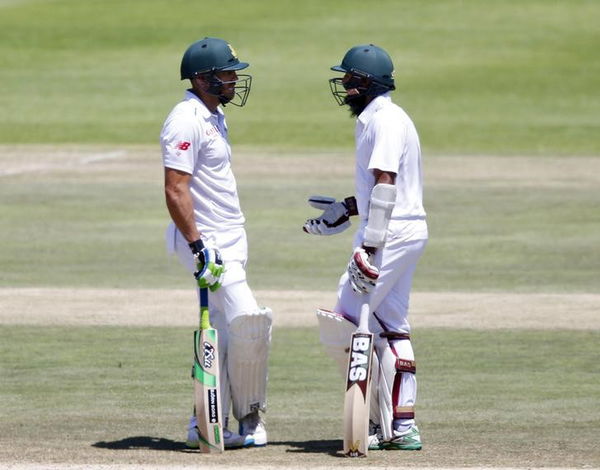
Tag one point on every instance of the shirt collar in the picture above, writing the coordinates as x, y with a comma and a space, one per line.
201, 107
374, 106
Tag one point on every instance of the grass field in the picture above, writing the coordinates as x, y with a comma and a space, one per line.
122, 395
510, 77
504, 95
81, 217
490, 394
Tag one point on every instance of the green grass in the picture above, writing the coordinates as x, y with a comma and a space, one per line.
512, 77
512, 239
102, 225
503, 398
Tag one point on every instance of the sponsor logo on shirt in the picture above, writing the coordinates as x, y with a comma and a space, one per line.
183, 145
212, 131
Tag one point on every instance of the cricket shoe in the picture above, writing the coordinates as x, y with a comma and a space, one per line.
375, 436
231, 440
406, 440
252, 428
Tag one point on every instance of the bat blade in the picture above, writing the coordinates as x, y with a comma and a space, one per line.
207, 397
358, 395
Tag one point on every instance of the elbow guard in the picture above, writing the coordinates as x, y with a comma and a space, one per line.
383, 198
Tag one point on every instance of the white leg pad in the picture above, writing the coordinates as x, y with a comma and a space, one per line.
247, 364
374, 414
383, 386
388, 370
335, 332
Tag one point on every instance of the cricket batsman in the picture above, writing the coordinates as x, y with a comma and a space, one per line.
207, 231
388, 174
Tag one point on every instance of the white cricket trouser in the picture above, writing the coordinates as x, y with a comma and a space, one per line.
234, 297
390, 297
395, 393
233, 300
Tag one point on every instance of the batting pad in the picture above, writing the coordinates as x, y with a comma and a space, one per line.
388, 369
249, 343
374, 413
335, 331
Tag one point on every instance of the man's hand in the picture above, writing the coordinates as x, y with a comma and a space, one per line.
363, 275
209, 266
335, 217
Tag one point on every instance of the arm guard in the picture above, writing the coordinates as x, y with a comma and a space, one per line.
383, 198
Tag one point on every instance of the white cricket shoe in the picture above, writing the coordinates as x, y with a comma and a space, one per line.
231, 440
375, 436
252, 428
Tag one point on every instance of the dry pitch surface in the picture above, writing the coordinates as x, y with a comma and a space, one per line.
140, 307
49, 306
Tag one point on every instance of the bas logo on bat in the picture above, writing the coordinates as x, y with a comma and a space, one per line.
213, 409
359, 362
209, 355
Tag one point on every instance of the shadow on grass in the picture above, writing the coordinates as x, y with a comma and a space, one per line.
331, 447
142, 442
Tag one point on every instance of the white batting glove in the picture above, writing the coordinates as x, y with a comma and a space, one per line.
363, 275
335, 217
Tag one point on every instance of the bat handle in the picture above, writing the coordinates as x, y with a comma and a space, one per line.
365, 312
204, 312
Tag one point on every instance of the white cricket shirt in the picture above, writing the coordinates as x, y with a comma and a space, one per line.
194, 141
386, 139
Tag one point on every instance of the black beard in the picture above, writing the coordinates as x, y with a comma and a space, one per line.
356, 103
224, 99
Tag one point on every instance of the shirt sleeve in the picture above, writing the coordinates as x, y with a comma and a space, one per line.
388, 143
178, 142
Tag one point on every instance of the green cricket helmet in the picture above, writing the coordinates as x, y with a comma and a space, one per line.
365, 61
209, 56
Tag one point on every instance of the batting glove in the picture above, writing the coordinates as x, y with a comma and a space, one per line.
335, 218
209, 266
363, 275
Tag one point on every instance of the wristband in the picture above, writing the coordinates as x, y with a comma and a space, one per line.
350, 204
196, 246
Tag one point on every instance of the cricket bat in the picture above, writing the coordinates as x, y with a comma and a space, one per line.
207, 396
358, 388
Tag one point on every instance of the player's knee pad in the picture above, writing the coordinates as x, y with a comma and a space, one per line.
335, 332
248, 354
396, 385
